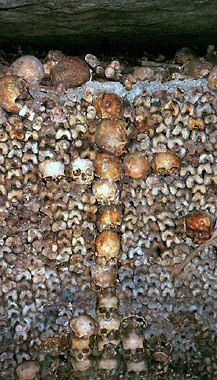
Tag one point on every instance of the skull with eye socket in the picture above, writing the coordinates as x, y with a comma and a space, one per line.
166, 163
108, 323
161, 349
107, 248
82, 171
80, 348
133, 336
198, 226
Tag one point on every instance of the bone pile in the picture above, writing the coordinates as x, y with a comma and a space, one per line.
107, 183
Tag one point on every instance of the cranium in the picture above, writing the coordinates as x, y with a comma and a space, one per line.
108, 323
107, 248
80, 348
82, 171
105, 191
198, 226
83, 326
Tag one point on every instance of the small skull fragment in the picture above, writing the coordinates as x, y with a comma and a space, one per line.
198, 226
166, 163
212, 79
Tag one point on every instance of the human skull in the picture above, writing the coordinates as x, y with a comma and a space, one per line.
27, 370
107, 364
108, 217
105, 191
81, 365
107, 166
83, 326
198, 226
166, 163
137, 367
133, 343
103, 342
136, 165
82, 171
80, 348
51, 168
107, 248
111, 137
108, 322
104, 277
107, 301
160, 362
108, 106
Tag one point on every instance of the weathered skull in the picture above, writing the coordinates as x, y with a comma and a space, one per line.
107, 166
104, 277
105, 191
104, 341
166, 163
80, 348
51, 168
28, 370
108, 106
107, 364
82, 171
107, 323
160, 362
133, 343
55, 344
108, 217
107, 248
137, 367
81, 365
83, 326
107, 300
198, 226
136, 165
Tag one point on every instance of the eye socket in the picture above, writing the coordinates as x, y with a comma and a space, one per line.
107, 316
103, 331
204, 234
190, 232
77, 172
85, 351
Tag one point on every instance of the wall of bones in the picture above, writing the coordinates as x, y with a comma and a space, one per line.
107, 185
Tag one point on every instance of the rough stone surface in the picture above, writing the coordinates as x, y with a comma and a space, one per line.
105, 24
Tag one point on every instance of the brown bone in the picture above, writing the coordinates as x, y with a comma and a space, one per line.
176, 269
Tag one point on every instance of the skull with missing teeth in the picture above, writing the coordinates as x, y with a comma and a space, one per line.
82, 171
